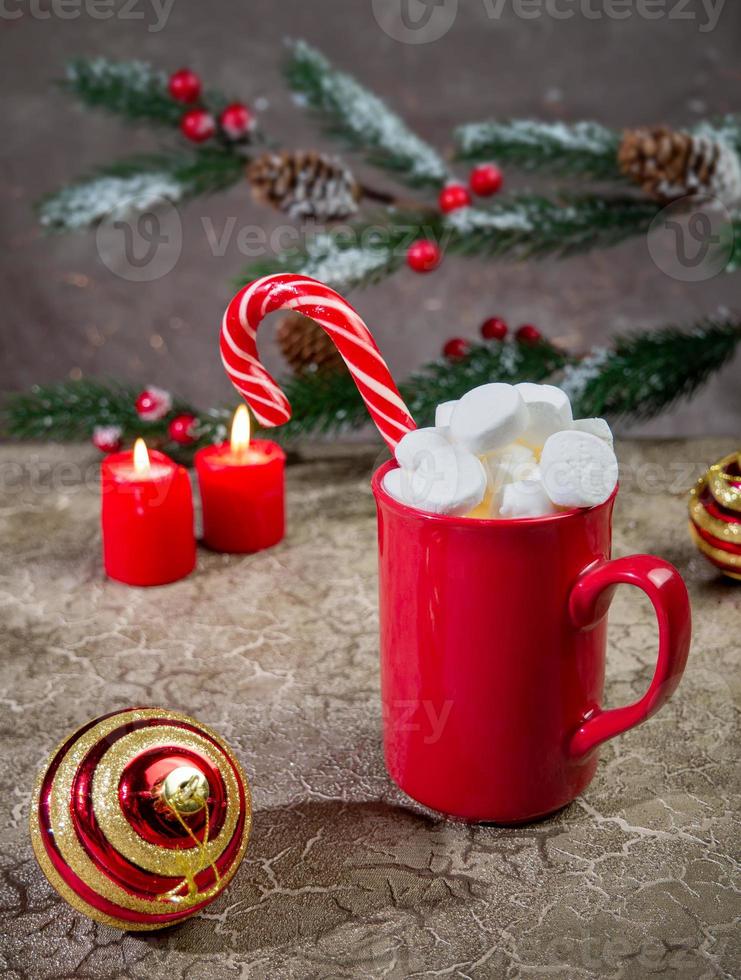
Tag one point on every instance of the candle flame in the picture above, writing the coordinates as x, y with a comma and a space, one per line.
141, 457
240, 438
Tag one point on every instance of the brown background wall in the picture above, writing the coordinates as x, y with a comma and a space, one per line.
63, 312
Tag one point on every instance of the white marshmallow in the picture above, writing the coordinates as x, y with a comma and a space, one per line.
597, 427
392, 485
448, 481
443, 412
578, 469
414, 446
488, 417
514, 462
548, 409
525, 498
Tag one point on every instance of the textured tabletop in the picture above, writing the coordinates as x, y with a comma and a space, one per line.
344, 876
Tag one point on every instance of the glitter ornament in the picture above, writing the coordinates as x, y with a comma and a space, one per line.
141, 818
715, 515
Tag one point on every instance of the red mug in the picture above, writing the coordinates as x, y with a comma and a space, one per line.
493, 638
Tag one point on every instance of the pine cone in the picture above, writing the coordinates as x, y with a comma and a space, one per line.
669, 164
304, 184
306, 346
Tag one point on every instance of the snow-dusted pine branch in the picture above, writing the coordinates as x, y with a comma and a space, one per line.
362, 119
569, 149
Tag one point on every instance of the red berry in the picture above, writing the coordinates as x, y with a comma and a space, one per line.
485, 179
107, 438
423, 255
182, 429
528, 334
153, 404
184, 86
456, 348
198, 125
454, 196
236, 121
494, 329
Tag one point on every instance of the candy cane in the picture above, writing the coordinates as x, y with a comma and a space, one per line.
351, 336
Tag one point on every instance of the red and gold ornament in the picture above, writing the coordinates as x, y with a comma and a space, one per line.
198, 125
423, 255
153, 404
236, 121
141, 818
715, 515
184, 86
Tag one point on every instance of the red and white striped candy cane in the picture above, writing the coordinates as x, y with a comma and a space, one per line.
352, 338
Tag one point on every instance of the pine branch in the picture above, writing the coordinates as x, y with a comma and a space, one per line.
645, 373
70, 409
139, 184
726, 129
509, 361
352, 256
132, 89
519, 227
529, 226
362, 119
582, 149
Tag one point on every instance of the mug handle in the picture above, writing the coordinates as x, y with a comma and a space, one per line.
588, 604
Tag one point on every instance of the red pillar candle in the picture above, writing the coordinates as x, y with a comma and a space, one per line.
147, 517
242, 491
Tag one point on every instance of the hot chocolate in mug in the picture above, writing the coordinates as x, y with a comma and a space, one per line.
493, 641
493, 632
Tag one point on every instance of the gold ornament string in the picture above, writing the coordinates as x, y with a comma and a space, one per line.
186, 794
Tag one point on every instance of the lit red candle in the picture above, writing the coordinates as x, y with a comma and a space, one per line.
242, 490
147, 518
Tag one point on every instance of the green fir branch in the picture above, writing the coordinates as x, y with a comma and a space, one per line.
352, 256
363, 120
139, 184
644, 373
518, 227
509, 361
582, 149
132, 89
530, 226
